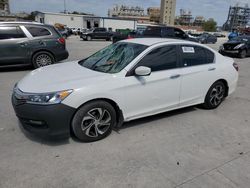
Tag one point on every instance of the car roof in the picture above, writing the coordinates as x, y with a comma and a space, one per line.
154, 41
23, 23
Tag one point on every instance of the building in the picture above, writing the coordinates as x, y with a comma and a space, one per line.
154, 14
185, 18
128, 12
85, 21
168, 12
199, 21
238, 17
4, 7
5, 14
123, 11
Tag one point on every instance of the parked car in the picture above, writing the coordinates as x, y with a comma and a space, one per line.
239, 46
31, 44
76, 31
206, 38
120, 36
97, 33
64, 32
160, 32
219, 35
127, 80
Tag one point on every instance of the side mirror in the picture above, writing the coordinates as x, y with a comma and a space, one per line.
142, 71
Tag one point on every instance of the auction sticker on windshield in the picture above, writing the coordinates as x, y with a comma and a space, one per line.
187, 49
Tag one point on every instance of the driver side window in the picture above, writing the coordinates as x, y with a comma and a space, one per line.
159, 59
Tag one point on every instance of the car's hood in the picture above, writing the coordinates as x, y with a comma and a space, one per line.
59, 77
231, 44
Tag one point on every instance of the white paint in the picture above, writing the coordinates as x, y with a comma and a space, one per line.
137, 96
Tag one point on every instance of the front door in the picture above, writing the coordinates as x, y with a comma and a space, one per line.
13, 45
157, 92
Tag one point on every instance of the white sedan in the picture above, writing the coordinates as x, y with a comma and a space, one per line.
127, 80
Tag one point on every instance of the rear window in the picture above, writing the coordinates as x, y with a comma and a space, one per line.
38, 31
195, 55
11, 32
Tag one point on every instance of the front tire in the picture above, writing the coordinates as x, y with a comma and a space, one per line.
243, 54
89, 38
215, 95
42, 59
94, 121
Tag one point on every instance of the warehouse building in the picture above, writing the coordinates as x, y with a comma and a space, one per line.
85, 21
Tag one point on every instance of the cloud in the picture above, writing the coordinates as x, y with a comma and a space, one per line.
217, 9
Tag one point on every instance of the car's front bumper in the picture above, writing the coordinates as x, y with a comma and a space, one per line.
232, 52
44, 120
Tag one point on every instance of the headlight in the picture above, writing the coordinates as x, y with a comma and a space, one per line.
239, 46
221, 47
43, 98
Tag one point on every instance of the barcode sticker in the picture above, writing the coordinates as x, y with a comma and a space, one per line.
187, 49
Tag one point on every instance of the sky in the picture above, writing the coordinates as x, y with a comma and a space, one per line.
217, 9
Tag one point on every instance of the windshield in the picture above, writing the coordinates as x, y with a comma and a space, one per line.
113, 58
240, 39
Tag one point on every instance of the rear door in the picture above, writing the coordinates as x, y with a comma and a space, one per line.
198, 73
42, 38
13, 45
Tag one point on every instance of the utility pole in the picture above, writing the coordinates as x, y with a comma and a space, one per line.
65, 7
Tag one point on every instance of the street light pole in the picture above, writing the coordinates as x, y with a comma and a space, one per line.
65, 7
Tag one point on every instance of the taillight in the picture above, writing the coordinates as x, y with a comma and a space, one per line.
61, 40
236, 66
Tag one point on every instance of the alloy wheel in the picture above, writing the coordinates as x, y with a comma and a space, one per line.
43, 60
217, 94
96, 122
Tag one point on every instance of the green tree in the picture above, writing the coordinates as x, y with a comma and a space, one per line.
209, 25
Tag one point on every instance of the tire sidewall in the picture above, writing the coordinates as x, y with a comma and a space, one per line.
207, 104
89, 38
40, 53
243, 54
77, 119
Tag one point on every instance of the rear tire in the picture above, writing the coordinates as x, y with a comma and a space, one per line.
94, 121
215, 95
42, 59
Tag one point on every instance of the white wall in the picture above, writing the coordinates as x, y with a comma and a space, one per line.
64, 19
118, 24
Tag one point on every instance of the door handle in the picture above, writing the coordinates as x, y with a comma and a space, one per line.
41, 42
23, 44
175, 76
212, 69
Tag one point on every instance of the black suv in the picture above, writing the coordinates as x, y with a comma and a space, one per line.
30, 43
97, 33
157, 32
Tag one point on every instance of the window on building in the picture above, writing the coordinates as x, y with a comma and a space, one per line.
11, 32
38, 31
72, 18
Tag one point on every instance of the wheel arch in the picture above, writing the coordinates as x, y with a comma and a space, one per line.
225, 83
119, 113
